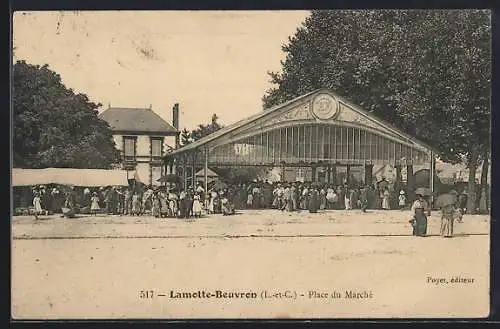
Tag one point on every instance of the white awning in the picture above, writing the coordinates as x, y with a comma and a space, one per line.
69, 176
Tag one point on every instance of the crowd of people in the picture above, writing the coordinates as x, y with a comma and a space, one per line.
172, 201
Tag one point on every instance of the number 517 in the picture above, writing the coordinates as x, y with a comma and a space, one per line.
144, 294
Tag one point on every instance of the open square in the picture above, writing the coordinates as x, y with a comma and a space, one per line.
96, 267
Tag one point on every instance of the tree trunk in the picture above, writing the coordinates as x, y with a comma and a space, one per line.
471, 189
483, 201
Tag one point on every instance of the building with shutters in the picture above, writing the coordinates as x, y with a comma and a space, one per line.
143, 139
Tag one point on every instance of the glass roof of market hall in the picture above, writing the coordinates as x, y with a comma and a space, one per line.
318, 127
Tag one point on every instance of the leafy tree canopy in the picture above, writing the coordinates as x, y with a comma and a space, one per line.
201, 131
53, 126
427, 72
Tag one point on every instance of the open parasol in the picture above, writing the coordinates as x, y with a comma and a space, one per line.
220, 186
424, 191
383, 184
445, 200
171, 178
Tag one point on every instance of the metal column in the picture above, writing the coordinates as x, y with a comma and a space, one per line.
184, 172
205, 170
193, 170
432, 165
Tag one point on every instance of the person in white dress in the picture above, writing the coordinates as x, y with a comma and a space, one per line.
197, 206
385, 200
347, 200
211, 207
37, 205
94, 204
331, 198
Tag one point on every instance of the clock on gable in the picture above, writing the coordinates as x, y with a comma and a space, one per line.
325, 106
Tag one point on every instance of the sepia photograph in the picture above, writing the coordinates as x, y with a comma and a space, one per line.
312, 164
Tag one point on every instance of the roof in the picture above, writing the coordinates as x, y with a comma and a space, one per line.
69, 176
243, 122
236, 125
210, 173
136, 120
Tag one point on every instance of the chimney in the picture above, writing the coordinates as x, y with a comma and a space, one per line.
175, 122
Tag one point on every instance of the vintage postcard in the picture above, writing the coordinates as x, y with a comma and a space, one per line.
251, 164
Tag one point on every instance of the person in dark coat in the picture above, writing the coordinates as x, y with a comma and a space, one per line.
295, 197
108, 200
462, 201
47, 200
354, 197
363, 198
377, 201
217, 205
370, 195
182, 204
189, 204
420, 210
57, 201
313, 201
341, 198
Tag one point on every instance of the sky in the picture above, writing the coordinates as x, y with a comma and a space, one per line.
207, 61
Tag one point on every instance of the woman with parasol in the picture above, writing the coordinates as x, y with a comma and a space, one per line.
420, 210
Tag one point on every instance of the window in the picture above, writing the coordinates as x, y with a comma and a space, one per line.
129, 147
155, 175
156, 147
300, 175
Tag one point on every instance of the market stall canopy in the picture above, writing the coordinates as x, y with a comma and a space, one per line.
69, 176
210, 173
424, 191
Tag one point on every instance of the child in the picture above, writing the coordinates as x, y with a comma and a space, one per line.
457, 214
402, 200
197, 206
94, 204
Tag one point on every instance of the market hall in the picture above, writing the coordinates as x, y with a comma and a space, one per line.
317, 137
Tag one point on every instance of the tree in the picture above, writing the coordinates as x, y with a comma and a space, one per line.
427, 72
53, 126
206, 129
484, 201
186, 137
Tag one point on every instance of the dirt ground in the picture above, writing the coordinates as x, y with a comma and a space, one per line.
298, 265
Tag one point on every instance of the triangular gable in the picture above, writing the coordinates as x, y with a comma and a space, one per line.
303, 109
